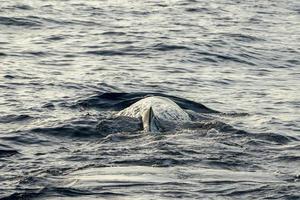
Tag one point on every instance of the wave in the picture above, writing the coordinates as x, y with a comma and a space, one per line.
6, 151
169, 47
14, 118
19, 21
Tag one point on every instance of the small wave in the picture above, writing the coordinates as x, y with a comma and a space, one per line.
249, 189
55, 38
197, 10
23, 7
9, 76
293, 61
228, 163
52, 190
113, 33
6, 151
274, 137
72, 128
71, 192
48, 106
226, 57
107, 53
168, 47
18, 21
243, 37
14, 118
67, 130
115, 53
156, 161
19, 7
289, 158
27, 194
23, 138
35, 53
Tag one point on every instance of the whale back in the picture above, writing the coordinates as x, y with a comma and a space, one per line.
155, 112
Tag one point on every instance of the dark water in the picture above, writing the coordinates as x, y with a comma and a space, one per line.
64, 65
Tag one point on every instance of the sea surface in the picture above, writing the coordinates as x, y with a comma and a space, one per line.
66, 64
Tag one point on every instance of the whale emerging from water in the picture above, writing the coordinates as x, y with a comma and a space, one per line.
161, 114
156, 113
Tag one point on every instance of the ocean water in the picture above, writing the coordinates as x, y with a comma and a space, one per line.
65, 65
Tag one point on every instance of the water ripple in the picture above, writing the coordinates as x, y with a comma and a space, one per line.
19, 21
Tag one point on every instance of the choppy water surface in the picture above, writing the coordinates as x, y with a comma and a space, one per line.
65, 65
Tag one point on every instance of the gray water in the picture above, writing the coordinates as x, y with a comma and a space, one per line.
58, 59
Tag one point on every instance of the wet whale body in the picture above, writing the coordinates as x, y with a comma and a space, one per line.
156, 113
150, 114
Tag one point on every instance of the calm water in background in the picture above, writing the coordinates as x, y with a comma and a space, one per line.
232, 56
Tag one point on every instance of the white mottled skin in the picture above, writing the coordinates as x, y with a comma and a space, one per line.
163, 109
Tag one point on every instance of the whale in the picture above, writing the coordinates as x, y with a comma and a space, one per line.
156, 114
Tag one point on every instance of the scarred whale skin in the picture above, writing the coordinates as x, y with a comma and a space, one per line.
155, 112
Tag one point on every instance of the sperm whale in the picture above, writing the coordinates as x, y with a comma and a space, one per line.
156, 113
